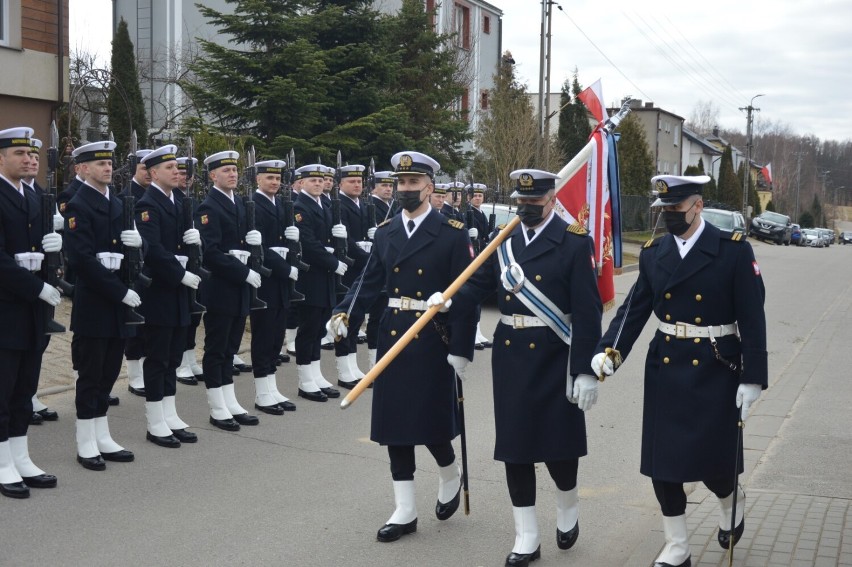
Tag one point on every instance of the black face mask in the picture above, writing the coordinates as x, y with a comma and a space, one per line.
675, 221
409, 200
531, 215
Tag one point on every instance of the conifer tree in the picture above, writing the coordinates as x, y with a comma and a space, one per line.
730, 188
125, 107
634, 158
574, 128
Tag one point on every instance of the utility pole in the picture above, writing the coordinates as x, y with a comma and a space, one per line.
543, 152
546, 133
747, 169
798, 180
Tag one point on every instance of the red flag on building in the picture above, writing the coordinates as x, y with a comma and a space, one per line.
767, 173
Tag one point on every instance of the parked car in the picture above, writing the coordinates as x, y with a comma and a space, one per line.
846, 237
812, 238
772, 226
827, 235
796, 235
726, 221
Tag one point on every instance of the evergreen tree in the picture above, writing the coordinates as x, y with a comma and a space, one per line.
125, 107
635, 161
806, 219
817, 212
574, 128
753, 199
693, 170
770, 206
730, 189
508, 132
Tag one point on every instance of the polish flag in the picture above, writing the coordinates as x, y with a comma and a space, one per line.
767, 173
593, 98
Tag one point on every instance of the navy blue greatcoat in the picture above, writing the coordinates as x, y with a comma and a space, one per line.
314, 222
534, 420
275, 290
414, 399
689, 419
354, 217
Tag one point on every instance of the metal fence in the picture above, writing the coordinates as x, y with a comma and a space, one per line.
635, 213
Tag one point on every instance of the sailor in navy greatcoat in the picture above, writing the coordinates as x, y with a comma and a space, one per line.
386, 207
221, 219
706, 289
95, 245
23, 298
317, 284
416, 254
165, 303
268, 325
541, 369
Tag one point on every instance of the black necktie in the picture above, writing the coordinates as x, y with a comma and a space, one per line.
530, 234
410, 227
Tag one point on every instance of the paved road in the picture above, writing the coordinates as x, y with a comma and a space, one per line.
309, 488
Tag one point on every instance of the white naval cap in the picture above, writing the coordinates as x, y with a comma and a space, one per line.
271, 166
310, 170
221, 159
383, 177
414, 162
94, 151
183, 160
160, 155
35, 143
352, 171
532, 182
672, 189
19, 136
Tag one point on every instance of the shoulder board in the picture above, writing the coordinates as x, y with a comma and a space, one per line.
383, 223
455, 224
736, 236
577, 228
653, 241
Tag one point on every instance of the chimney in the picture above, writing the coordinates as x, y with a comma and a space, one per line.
716, 132
649, 104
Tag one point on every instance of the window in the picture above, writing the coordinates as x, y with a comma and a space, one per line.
486, 24
4, 22
462, 26
676, 135
483, 100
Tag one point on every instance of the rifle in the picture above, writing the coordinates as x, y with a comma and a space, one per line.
193, 264
256, 258
492, 218
294, 249
467, 209
52, 260
340, 244
370, 202
132, 265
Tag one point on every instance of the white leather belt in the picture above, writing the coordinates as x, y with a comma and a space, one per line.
407, 304
522, 321
687, 331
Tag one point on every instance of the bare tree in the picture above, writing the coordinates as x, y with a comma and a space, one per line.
703, 118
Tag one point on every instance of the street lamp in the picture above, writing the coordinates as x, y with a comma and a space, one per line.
747, 169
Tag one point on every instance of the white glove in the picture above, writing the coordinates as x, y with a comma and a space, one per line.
459, 364
58, 222
437, 298
50, 295
190, 280
341, 268
371, 232
585, 391
192, 236
473, 233
132, 299
291, 233
131, 238
51, 242
294, 274
253, 279
747, 394
602, 365
517, 273
338, 231
253, 238
336, 328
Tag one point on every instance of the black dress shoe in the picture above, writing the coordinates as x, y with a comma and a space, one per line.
246, 419
488, 344
113, 400
566, 540
137, 391
122, 456
479, 346
243, 367
330, 392
687, 563
392, 532
287, 406
445, 511
327, 346
274, 409
168, 441
185, 436
284, 358
36, 419
226, 424
40, 481
188, 380
48, 414
313, 396
347, 385
95, 463
236, 371
724, 536
522, 559
15, 490
278, 362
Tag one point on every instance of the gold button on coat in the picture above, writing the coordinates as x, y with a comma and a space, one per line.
396, 290
666, 360
668, 338
537, 278
420, 272
697, 340
393, 333
396, 269
698, 297
698, 319
508, 297
508, 342
695, 363
532, 345
668, 317
419, 294
668, 296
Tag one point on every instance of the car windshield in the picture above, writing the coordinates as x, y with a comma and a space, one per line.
719, 219
774, 217
809, 231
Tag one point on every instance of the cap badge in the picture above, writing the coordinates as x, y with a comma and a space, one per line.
405, 160
525, 180
662, 187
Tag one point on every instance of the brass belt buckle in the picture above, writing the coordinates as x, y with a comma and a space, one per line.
519, 322
404, 303
680, 330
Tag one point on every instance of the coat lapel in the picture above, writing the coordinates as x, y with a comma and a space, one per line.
702, 253
164, 202
425, 234
551, 236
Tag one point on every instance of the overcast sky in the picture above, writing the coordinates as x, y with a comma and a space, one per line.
673, 53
